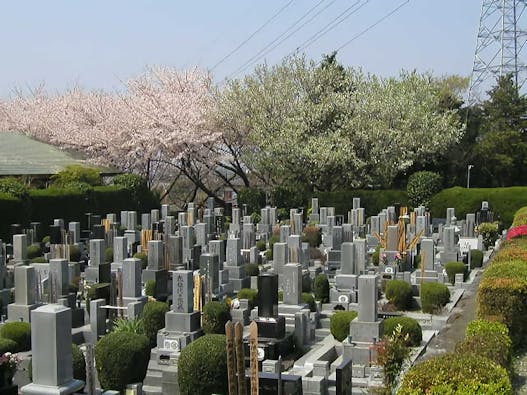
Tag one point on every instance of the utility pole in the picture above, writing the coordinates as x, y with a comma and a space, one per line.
501, 39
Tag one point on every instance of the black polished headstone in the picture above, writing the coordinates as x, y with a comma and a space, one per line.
37, 230
95, 220
98, 232
344, 375
55, 236
268, 295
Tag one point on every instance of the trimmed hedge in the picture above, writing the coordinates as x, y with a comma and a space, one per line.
422, 185
143, 257
251, 269
399, 293
503, 201
502, 296
453, 268
79, 363
7, 345
339, 324
44, 205
19, 332
321, 288
434, 296
154, 319
34, 251
310, 300
121, 358
409, 326
520, 217
476, 259
202, 366
215, 316
457, 374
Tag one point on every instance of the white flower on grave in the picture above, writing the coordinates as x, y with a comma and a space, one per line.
235, 304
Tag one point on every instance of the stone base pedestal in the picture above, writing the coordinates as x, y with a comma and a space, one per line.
20, 312
342, 296
65, 389
361, 331
447, 256
346, 281
361, 353
271, 328
270, 348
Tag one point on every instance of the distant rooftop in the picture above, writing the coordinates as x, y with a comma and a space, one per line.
21, 155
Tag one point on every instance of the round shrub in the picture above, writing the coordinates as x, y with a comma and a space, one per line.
322, 288
453, 268
202, 366
121, 358
476, 258
489, 231
456, 374
75, 253
484, 328
434, 296
312, 235
215, 316
108, 255
399, 293
409, 326
422, 185
150, 288
34, 251
143, 257
19, 332
261, 245
310, 300
154, 319
79, 363
7, 345
250, 294
339, 324
251, 269
39, 259
496, 347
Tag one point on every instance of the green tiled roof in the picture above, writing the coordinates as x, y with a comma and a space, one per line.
21, 155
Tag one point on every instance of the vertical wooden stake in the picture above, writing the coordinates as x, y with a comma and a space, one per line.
240, 358
253, 348
231, 373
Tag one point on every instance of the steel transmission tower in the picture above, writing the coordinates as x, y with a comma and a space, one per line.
500, 45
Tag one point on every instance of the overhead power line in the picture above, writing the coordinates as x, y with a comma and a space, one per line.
386, 16
270, 47
272, 18
348, 12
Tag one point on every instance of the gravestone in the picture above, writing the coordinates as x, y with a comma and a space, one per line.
174, 246
25, 298
155, 270
270, 324
97, 271
344, 291
315, 216
145, 221
233, 263
292, 284
52, 361
471, 224
133, 300
20, 249
280, 254
449, 253
75, 231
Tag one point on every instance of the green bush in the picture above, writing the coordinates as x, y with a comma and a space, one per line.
422, 186
13, 187
453, 268
489, 231
503, 201
34, 251
274, 239
121, 358
202, 366
39, 259
77, 174
19, 332
75, 253
251, 269
140, 194
108, 255
154, 319
312, 235
375, 257
322, 288
261, 245
434, 296
496, 347
7, 345
150, 288
520, 217
476, 259
409, 326
502, 296
289, 196
485, 327
250, 294
129, 325
399, 293
143, 257
456, 374
79, 363
306, 283
339, 324
215, 316
310, 300
269, 254
254, 198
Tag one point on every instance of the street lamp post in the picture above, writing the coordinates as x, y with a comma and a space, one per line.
468, 175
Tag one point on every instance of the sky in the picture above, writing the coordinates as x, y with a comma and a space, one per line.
98, 44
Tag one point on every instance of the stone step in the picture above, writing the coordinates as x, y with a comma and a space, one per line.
324, 323
153, 377
152, 390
